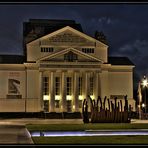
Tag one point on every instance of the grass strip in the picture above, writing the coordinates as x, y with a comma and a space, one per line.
92, 140
82, 127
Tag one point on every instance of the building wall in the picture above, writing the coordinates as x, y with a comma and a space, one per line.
104, 84
121, 83
12, 105
101, 52
5, 75
33, 84
19, 101
12, 101
34, 52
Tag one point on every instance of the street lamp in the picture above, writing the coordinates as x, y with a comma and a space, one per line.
145, 83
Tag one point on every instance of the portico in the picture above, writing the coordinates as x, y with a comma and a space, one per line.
67, 89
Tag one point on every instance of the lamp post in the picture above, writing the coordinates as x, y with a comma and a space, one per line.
145, 83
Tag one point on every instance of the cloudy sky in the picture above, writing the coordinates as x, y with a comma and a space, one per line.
124, 24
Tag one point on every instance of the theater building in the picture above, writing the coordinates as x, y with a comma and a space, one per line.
60, 67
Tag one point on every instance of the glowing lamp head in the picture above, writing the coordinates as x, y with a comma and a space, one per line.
143, 105
144, 82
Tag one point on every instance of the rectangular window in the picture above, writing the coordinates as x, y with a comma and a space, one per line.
57, 85
88, 50
45, 85
42, 49
91, 85
69, 85
46, 49
80, 86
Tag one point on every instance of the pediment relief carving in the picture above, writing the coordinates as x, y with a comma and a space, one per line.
67, 37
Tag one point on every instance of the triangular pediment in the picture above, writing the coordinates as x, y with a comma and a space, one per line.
69, 55
66, 35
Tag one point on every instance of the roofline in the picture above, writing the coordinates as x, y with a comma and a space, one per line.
64, 28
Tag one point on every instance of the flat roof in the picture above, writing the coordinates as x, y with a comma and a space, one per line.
12, 59
120, 61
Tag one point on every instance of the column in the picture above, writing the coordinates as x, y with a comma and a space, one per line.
41, 89
75, 92
63, 92
52, 92
86, 85
96, 84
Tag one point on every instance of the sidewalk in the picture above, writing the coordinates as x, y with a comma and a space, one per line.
24, 121
14, 134
138, 121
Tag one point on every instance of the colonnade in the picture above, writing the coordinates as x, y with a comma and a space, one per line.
75, 88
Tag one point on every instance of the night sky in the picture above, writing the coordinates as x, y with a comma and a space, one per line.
124, 24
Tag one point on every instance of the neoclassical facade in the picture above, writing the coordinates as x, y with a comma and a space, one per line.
61, 69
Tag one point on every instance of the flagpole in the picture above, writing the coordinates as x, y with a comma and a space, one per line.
139, 110
140, 98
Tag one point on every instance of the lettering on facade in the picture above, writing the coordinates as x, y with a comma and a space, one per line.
14, 86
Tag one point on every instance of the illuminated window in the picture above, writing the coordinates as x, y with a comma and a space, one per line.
80, 85
57, 85
70, 57
91, 85
45, 86
69, 85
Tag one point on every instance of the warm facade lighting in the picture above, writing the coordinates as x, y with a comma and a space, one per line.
45, 97
57, 97
80, 97
143, 105
73, 106
145, 82
92, 96
68, 97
